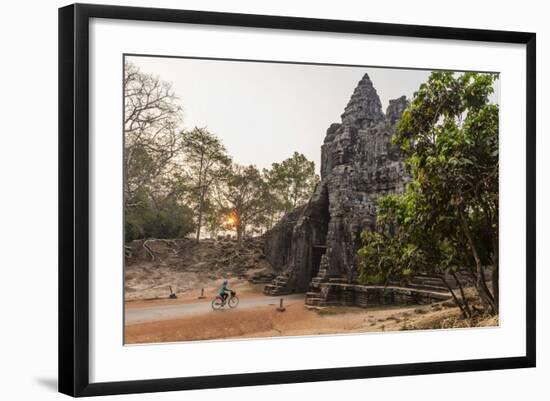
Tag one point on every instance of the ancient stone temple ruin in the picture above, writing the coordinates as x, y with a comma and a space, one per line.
314, 247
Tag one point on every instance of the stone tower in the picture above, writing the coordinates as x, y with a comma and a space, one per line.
319, 241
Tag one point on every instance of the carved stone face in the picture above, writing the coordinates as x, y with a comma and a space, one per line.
338, 155
340, 145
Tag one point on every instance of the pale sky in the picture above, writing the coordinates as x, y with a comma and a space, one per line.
263, 112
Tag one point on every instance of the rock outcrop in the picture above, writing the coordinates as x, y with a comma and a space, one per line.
318, 242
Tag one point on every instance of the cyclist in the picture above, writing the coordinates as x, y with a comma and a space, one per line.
224, 291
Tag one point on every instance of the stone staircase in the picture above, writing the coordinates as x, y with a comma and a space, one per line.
427, 283
316, 296
436, 284
279, 286
313, 298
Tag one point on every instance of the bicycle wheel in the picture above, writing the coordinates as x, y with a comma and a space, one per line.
217, 303
233, 302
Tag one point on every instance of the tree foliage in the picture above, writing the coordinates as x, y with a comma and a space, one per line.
447, 220
291, 183
167, 220
178, 181
246, 198
152, 196
205, 162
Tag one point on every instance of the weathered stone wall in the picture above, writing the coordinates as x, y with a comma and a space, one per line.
293, 245
358, 165
278, 240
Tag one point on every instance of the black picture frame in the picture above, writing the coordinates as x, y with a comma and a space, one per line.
74, 198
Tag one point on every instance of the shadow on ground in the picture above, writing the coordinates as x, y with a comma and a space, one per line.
49, 383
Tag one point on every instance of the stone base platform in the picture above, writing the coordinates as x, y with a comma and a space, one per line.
279, 286
339, 294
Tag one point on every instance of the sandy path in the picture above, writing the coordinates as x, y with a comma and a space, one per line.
144, 313
188, 319
266, 321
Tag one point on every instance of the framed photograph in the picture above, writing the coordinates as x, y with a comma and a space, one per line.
251, 199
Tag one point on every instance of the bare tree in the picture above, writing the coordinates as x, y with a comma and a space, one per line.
152, 115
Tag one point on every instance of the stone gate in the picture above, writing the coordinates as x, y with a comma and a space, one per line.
318, 242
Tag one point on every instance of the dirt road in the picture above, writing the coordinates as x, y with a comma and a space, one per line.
257, 317
188, 318
144, 314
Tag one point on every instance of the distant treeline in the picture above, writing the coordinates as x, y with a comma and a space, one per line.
179, 182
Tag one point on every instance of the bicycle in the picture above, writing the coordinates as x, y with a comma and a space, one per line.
232, 301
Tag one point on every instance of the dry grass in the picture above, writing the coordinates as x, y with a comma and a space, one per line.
187, 266
445, 315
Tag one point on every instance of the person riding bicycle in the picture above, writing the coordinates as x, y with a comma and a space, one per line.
224, 291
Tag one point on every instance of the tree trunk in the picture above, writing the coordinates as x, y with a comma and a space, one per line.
271, 218
495, 275
199, 217
199, 223
481, 285
464, 299
240, 230
455, 298
201, 197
